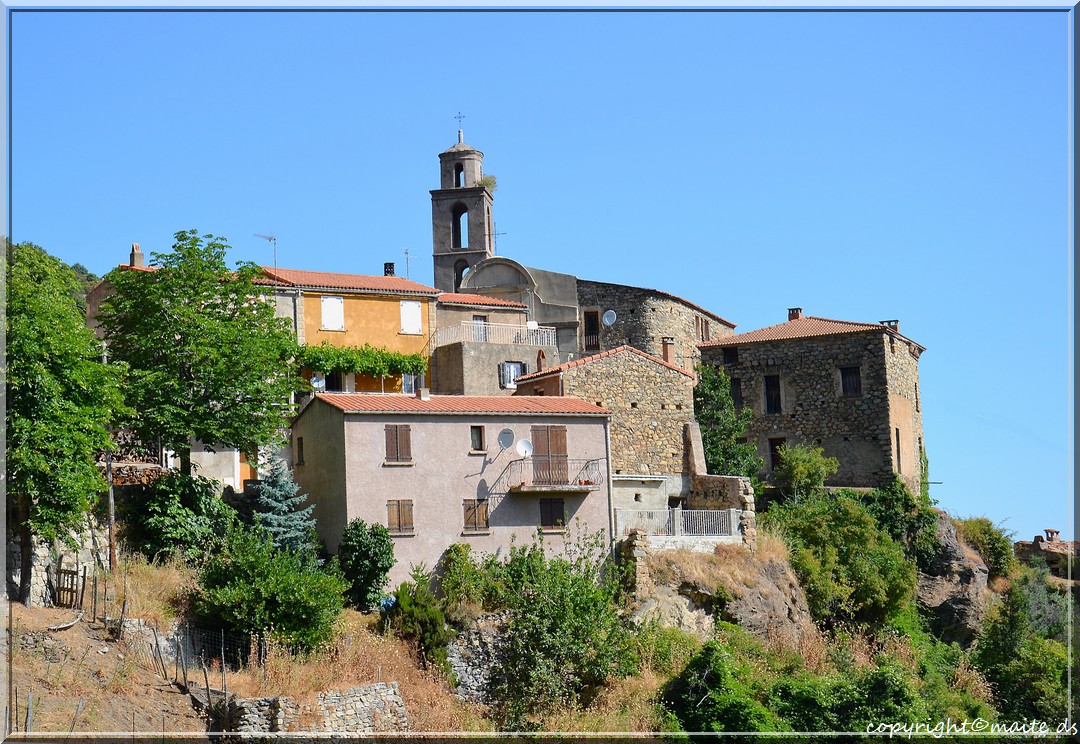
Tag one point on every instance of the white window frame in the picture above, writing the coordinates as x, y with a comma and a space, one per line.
507, 377
412, 321
333, 313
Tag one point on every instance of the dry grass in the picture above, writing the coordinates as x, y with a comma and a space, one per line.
771, 547
360, 656
156, 592
623, 705
968, 679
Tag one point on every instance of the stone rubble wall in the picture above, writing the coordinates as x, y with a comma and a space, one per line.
719, 491
92, 550
372, 708
475, 653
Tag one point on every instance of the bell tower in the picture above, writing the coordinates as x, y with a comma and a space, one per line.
461, 226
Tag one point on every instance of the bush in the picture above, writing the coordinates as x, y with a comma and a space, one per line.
252, 587
993, 543
275, 505
366, 553
910, 521
462, 583
416, 616
177, 513
665, 651
803, 469
850, 568
1048, 608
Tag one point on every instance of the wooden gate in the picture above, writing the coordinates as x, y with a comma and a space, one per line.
67, 588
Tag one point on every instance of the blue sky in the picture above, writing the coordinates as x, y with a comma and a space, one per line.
860, 165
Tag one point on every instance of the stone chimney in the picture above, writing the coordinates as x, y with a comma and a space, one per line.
1052, 535
794, 313
540, 360
668, 345
423, 393
892, 325
388, 268
136, 258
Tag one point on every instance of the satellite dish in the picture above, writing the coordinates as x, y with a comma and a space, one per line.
524, 448
318, 382
609, 318
506, 438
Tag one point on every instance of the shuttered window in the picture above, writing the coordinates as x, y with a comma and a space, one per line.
736, 392
476, 515
552, 513
398, 443
410, 317
772, 394
399, 517
333, 314
851, 381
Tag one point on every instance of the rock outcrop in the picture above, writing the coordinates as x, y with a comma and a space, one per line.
953, 589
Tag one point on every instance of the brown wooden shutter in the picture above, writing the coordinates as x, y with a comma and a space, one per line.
406, 512
481, 515
391, 443
393, 517
404, 443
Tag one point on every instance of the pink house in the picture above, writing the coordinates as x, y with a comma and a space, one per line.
443, 469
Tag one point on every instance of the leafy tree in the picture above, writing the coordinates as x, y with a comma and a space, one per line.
993, 543
176, 513
417, 616
252, 587
60, 401
209, 362
722, 425
909, 520
1048, 608
366, 553
85, 280
850, 568
276, 508
804, 468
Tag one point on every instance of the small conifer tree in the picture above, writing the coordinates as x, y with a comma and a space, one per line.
276, 507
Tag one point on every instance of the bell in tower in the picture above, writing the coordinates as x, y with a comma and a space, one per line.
461, 225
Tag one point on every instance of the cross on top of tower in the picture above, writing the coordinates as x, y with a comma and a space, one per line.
460, 135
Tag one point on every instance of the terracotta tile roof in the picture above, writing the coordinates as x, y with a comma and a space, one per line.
458, 298
353, 282
586, 360
443, 404
804, 327
670, 296
261, 280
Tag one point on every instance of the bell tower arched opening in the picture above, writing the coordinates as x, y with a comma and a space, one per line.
460, 238
461, 220
461, 268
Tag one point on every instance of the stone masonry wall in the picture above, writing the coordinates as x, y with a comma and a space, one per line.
645, 317
905, 408
649, 403
92, 548
373, 708
857, 430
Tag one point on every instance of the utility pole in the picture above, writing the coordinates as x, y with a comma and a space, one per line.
273, 240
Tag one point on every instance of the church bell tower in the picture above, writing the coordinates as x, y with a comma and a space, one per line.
461, 226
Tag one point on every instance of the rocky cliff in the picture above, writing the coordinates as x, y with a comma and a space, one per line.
953, 590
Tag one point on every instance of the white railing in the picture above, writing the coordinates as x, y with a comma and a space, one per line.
676, 522
495, 333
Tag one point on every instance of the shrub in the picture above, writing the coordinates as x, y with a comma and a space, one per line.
416, 616
993, 543
251, 587
1048, 609
665, 651
909, 520
366, 553
461, 583
803, 469
850, 568
176, 513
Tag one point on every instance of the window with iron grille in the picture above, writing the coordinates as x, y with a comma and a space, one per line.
398, 443
552, 513
851, 381
476, 515
772, 393
399, 517
736, 392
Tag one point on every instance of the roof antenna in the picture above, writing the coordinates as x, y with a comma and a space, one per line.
407, 264
273, 240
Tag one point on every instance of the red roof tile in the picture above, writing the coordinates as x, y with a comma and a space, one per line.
457, 298
354, 282
443, 404
804, 327
586, 360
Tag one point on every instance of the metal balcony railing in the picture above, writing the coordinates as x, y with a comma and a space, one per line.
494, 333
551, 472
673, 522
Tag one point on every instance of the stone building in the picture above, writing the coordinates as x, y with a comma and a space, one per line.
850, 388
650, 401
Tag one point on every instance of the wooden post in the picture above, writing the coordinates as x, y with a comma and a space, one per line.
29, 711
176, 659
224, 686
206, 679
82, 592
77, 712
112, 510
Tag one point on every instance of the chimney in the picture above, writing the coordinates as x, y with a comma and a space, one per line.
794, 313
668, 343
892, 325
1052, 535
136, 258
540, 360
388, 268
423, 393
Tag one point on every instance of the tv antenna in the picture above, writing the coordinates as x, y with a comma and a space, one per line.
406, 252
495, 236
273, 240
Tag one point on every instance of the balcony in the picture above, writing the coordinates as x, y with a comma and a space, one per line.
674, 529
495, 333
551, 474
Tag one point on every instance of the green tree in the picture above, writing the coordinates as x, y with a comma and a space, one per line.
276, 507
804, 468
252, 587
60, 401
994, 544
209, 362
909, 520
417, 616
366, 552
723, 425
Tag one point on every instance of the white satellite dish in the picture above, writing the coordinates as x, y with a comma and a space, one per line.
506, 438
609, 318
524, 448
318, 382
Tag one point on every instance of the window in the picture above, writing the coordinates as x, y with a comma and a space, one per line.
460, 227
736, 392
899, 467
731, 355
410, 317
479, 328
399, 517
705, 330
774, 451
917, 397
549, 462
591, 341
459, 175
772, 393
476, 438
398, 443
408, 383
476, 515
510, 371
299, 451
333, 313
850, 381
552, 513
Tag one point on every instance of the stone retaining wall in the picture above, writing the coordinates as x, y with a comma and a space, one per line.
92, 549
372, 708
475, 653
